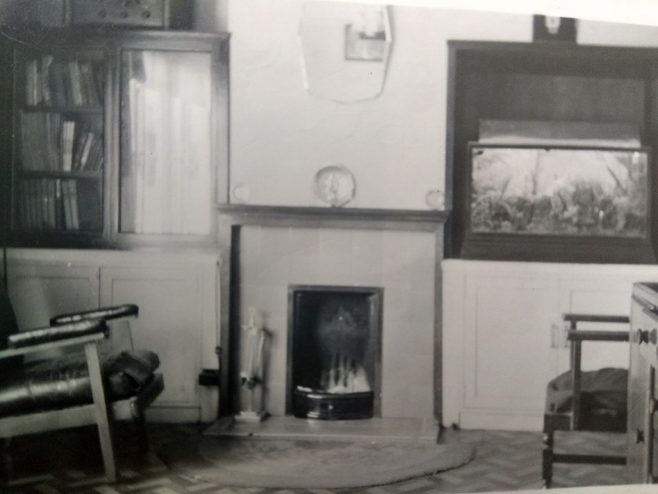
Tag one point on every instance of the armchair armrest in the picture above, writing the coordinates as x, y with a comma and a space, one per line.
106, 313
41, 339
574, 318
596, 335
54, 333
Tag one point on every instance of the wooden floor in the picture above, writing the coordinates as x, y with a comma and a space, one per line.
70, 462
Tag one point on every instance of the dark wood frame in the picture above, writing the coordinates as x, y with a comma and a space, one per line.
231, 220
376, 306
112, 43
549, 59
566, 247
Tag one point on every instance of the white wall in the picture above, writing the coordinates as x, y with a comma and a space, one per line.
395, 144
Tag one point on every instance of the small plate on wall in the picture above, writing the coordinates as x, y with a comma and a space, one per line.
334, 185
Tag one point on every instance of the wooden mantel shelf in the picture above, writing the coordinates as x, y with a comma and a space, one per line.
393, 219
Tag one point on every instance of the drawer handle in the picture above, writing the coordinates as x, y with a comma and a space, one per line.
639, 436
642, 336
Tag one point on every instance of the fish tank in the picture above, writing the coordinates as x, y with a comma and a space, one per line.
561, 196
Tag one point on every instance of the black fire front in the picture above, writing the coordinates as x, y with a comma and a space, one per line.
334, 351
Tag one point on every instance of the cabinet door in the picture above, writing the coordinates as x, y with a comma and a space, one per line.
642, 435
169, 323
41, 291
508, 348
166, 175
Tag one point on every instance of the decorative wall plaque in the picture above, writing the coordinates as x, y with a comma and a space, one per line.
334, 185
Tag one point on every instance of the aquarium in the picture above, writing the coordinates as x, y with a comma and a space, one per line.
558, 191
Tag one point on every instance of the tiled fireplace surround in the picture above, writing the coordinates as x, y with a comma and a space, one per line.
363, 250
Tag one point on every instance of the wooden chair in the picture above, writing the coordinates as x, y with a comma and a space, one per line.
73, 390
585, 400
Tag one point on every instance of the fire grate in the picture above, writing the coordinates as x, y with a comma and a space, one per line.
334, 351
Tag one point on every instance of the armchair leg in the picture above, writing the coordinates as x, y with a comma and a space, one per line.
102, 416
142, 434
547, 460
7, 464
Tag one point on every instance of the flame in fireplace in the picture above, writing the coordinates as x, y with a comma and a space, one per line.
344, 375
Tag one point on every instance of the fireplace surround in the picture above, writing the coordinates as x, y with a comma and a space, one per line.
265, 250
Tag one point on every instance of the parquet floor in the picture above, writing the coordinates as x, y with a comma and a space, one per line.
70, 462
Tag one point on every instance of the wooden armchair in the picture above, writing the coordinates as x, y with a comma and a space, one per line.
75, 389
585, 400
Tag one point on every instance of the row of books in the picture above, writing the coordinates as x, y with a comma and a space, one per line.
51, 143
50, 205
67, 82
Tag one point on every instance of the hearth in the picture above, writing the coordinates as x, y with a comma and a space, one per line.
334, 351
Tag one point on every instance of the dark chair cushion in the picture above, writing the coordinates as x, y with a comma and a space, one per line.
604, 397
64, 381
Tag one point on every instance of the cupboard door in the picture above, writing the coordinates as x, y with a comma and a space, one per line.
59, 150
166, 176
507, 342
169, 323
41, 291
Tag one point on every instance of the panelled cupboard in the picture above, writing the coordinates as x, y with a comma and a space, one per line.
503, 337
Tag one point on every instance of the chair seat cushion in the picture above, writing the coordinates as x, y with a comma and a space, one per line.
64, 381
603, 394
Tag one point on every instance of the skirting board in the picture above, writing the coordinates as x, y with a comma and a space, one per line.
173, 414
488, 420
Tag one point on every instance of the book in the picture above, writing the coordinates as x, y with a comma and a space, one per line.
46, 62
84, 156
67, 139
75, 83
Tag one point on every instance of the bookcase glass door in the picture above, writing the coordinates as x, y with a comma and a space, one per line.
60, 141
165, 172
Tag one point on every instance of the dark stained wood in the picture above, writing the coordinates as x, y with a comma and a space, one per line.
334, 217
593, 335
595, 318
539, 81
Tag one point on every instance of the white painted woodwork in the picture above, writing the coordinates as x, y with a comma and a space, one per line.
40, 291
176, 294
168, 323
503, 334
502, 313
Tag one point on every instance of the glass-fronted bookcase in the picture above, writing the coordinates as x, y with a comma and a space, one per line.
118, 138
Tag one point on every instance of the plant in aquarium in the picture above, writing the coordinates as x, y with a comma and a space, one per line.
558, 191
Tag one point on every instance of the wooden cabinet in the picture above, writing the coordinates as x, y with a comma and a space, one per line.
119, 138
557, 86
643, 386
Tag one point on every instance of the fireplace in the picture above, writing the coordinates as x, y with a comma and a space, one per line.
334, 348
272, 249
